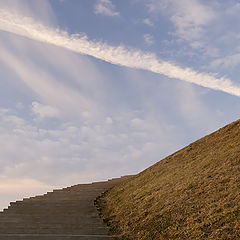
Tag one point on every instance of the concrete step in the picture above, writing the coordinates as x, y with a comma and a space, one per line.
53, 237
80, 230
67, 213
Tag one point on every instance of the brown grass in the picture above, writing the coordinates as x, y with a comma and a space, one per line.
192, 194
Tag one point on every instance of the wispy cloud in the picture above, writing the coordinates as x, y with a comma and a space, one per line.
227, 62
44, 111
148, 38
38, 9
188, 16
148, 22
233, 10
70, 153
105, 7
44, 85
119, 55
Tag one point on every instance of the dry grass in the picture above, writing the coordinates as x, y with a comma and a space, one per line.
192, 194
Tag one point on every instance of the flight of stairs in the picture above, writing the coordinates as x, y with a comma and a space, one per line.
65, 214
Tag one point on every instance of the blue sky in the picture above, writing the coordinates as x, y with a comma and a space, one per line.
97, 89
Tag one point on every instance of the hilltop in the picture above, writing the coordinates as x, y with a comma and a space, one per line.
191, 194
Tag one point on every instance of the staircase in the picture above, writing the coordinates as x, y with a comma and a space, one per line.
64, 214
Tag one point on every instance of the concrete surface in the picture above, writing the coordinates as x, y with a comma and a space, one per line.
64, 214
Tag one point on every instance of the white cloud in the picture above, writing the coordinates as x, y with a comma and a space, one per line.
69, 153
137, 122
105, 7
189, 16
44, 111
233, 10
148, 22
44, 85
41, 10
116, 55
149, 40
227, 62
20, 105
108, 120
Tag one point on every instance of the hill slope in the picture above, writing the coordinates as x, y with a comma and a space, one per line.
192, 194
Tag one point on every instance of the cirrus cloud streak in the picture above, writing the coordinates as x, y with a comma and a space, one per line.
119, 55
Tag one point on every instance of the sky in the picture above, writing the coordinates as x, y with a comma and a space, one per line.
96, 89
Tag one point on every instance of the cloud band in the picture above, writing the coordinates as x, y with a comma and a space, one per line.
119, 55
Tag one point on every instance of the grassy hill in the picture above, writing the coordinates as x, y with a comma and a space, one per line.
192, 194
